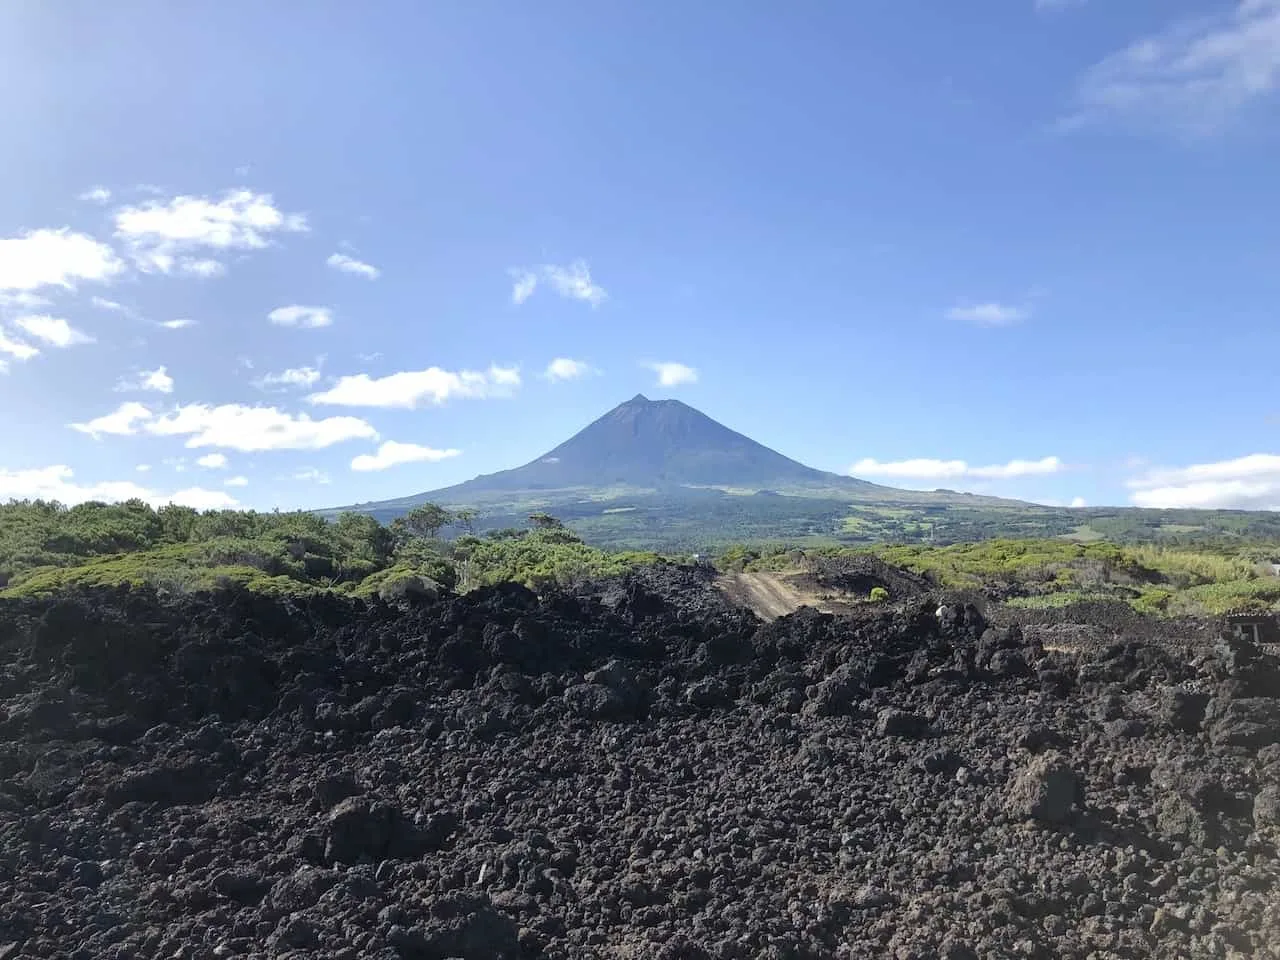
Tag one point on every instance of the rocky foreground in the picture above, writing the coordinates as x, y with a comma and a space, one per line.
631, 775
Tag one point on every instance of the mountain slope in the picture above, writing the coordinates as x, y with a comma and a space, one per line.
658, 473
653, 444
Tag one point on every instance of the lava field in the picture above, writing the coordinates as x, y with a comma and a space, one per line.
630, 771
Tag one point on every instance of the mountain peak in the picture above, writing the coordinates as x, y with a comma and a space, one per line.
655, 444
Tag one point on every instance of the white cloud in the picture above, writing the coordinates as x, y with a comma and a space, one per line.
563, 368
1244, 483
251, 429
236, 482
1019, 468
16, 348
931, 469
201, 267
180, 324
143, 468
162, 234
96, 195
523, 283
58, 483
300, 316
54, 258
1078, 502
1191, 78
572, 281
200, 499
673, 374
410, 388
312, 475
25, 300
989, 314
102, 303
232, 426
392, 454
53, 331
293, 377
213, 461
340, 261
917, 469
156, 381
122, 422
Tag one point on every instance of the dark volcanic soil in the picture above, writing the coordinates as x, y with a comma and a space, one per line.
495, 777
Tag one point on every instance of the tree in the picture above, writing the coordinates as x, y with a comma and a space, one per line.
425, 520
545, 521
465, 519
364, 537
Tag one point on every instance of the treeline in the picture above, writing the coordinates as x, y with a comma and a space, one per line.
46, 546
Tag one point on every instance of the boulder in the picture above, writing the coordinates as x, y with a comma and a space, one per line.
1246, 722
891, 722
1266, 808
1046, 790
836, 695
301, 889
711, 692
1179, 816
242, 885
1250, 671
358, 828
1008, 664
1124, 728
595, 701
1182, 709
167, 783
620, 679
471, 929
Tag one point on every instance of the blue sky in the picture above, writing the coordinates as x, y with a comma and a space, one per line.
284, 255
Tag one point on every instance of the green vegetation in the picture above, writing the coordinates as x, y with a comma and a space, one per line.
878, 595
1153, 579
701, 520
46, 547
539, 558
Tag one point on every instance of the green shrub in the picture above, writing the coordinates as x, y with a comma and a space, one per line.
878, 595
436, 569
45, 547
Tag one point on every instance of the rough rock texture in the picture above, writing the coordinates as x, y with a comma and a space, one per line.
622, 773
1046, 790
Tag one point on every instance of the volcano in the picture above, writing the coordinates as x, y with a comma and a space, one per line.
658, 445
657, 472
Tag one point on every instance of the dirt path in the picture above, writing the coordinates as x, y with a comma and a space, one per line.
770, 595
